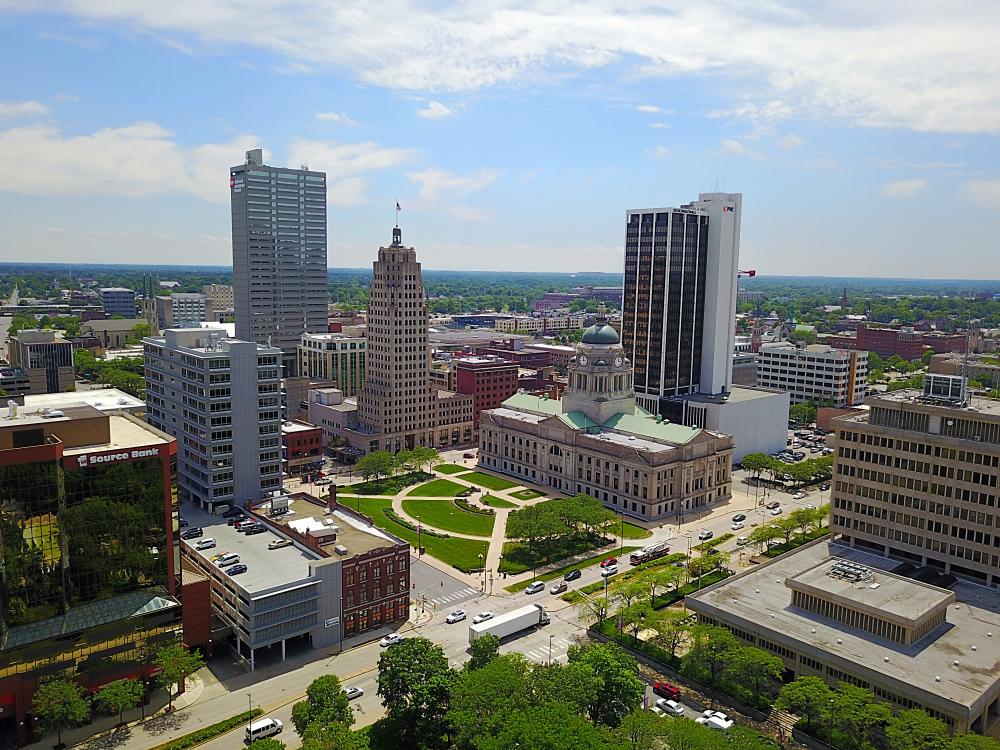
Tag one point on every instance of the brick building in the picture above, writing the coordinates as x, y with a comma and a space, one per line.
301, 447
489, 380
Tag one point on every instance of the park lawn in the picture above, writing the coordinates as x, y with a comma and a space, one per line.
526, 494
463, 554
496, 502
516, 558
451, 468
631, 531
387, 486
437, 488
560, 572
488, 481
447, 516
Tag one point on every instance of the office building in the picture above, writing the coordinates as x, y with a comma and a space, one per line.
596, 440
398, 408
904, 342
815, 373
14, 381
89, 584
117, 300
301, 447
47, 359
279, 254
489, 380
335, 358
220, 295
340, 583
220, 398
847, 615
984, 369
182, 310
680, 297
916, 476
540, 324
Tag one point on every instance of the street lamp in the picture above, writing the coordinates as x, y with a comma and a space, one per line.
249, 715
550, 648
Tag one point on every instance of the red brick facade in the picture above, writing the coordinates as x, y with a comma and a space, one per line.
488, 382
300, 446
376, 589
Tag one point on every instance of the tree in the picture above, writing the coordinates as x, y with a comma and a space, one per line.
267, 743
974, 742
803, 518
673, 629
786, 526
808, 697
119, 696
426, 457
593, 608
685, 734
629, 591
819, 515
756, 464
325, 703
707, 655
639, 731
548, 727
407, 460
176, 663
332, 737
621, 689
668, 577
804, 413
482, 698
762, 536
376, 465
484, 649
59, 704
635, 617
414, 683
756, 672
914, 729
858, 717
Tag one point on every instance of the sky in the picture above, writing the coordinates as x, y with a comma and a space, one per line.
863, 136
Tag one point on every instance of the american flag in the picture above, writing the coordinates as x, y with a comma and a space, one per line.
730, 209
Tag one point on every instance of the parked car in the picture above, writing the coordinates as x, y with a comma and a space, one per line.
235, 521
235, 570
182, 522
535, 587
609, 571
192, 533
609, 561
255, 529
206, 543
232, 512
457, 616
353, 692
226, 558
666, 690
824, 487
482, 617
705, 535
657, 711
670, 707
323, 481
279, 543
468, 455
558, 588
390, 640
717, 714
572, 575
776, 511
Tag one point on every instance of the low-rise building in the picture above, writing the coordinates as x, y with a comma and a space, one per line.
335, 358
983, 368
816, 373
47, 359
596, 440
846, 615
541, 324
301, 447
113, 333
14, 381
489, 380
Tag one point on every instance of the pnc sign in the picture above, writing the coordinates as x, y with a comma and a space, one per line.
110, 458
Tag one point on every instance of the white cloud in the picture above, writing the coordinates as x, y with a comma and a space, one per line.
984, 192
23, 109
345, 163
439, 184
340, 118
470, 214
648, 108
903, 188
736, 148
435, 110
661, 152
659, 125
791, 142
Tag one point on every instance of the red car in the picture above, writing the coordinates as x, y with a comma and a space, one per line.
609, 562
666, 690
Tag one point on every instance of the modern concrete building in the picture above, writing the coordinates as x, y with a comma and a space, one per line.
979, 367
220, 398
14, 381
340, 583
183, 309
846, 615
596, 440
279, 254
915, 478
335, 358
47, 359
680, 297
117, 300
814, 374
220, 295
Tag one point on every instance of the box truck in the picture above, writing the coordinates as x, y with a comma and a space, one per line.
510, 623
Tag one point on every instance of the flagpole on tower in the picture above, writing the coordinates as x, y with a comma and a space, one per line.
398, 209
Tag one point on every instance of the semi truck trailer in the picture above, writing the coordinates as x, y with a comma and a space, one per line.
510, 623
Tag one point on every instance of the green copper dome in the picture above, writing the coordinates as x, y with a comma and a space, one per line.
601, 333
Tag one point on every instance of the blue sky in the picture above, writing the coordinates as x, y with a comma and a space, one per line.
514, 136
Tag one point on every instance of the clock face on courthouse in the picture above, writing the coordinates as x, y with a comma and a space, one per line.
618, 361
583, 360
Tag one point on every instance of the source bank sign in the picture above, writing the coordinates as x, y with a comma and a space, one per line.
98, 459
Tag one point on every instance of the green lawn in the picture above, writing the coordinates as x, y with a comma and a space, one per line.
526, 494
487, 480
461, 553
446, 515
437, 488
389, 486
517, 557
451, 468
560, 572
496, 502
631, 531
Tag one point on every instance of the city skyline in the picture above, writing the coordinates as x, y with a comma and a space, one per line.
517, 147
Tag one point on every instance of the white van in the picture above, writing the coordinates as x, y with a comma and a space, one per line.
263, 728
229, 558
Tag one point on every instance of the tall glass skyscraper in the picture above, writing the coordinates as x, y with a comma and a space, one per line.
279, 254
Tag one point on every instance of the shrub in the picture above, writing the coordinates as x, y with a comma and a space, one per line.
462, 503
210, 732
412, 526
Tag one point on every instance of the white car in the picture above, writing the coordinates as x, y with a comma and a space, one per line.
482, 617
658, 711
353, 692
776, 511
457, 616
390, 640
717, 714
737, 525
705, 535
609, 571
535, 588
742, 541
206, 543
670, 707
799, 496
714, 722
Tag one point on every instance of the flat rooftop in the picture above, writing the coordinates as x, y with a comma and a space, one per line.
287, 427
976, 404
358, 536
759, 598
737, 394
125, 433
102, 399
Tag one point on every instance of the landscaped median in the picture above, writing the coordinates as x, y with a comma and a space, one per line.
560, 572
210, 732
720, 539
593, 588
